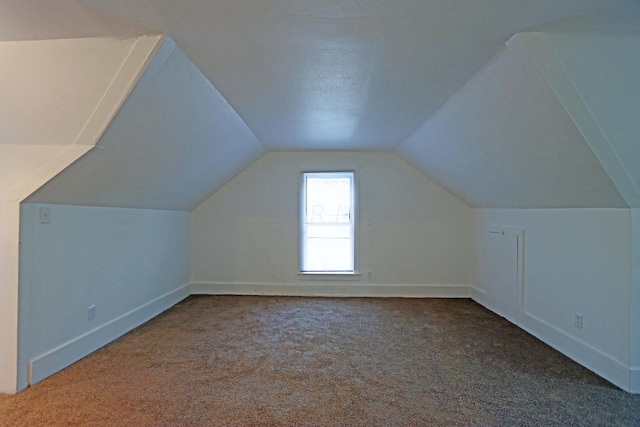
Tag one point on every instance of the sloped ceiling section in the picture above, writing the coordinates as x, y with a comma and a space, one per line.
50, 89
315, 74
174, 142
604, 69
506, 141
56, 99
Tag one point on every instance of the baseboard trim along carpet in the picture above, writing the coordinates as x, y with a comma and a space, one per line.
70, 352
603, 364
588, 356
478, 295
635, 381
331, 289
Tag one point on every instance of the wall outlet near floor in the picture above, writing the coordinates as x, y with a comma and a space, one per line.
45, 215
369, 275
577, 320
91, 313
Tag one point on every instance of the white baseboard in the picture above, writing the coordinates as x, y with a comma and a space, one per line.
590, 357
586, 355
64, 355
477, 294
331, 289
634, 386
572, 347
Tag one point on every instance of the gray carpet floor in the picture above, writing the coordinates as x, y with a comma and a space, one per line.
239, 361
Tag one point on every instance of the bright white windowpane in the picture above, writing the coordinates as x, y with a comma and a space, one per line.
329, 255
328, 200
327, 224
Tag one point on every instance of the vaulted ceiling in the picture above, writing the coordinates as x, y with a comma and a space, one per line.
498, 119
315, 75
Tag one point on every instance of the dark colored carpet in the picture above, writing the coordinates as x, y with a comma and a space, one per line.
323, 361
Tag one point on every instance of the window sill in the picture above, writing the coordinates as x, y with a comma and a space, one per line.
326, 276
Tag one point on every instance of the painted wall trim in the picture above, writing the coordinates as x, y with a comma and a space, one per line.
634, 380
11, 249
70, 352
140, 55
477, 294
577, 350
50, 169
553, 71
331, 289
590, 357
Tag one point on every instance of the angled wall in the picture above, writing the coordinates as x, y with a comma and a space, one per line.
553, 231
603, 69
119, 232
129, 264
51, 80
61, 92
173, 143
574, 261
506, 141
23, 168
594, 75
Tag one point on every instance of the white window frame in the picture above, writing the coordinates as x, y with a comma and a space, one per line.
354, 216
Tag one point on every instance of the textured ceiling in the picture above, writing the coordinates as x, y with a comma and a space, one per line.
315, 75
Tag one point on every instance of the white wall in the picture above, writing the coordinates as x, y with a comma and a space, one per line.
61, 92
604, 70
635, 301
22, 169
131, 264
50, 116
575, 261
412, 232
506, 141
8, 317
16, 163
172, 144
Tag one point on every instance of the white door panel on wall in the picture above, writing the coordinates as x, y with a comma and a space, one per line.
504, 267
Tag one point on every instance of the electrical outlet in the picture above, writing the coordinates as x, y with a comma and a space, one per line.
577, 320
45, 215
91, 313
369, 275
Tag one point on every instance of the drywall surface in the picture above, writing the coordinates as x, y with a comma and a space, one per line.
506, 141
16, 164
604, 69
57, 98
130, 263
172, 144
23, 168
51, 88
411, 230
575, 261
316, 75
8, 318
635, 301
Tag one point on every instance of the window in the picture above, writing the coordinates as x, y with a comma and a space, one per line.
327, 223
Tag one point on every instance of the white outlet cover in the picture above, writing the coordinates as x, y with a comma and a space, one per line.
45, 215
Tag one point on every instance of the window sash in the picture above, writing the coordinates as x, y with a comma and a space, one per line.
332, 233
